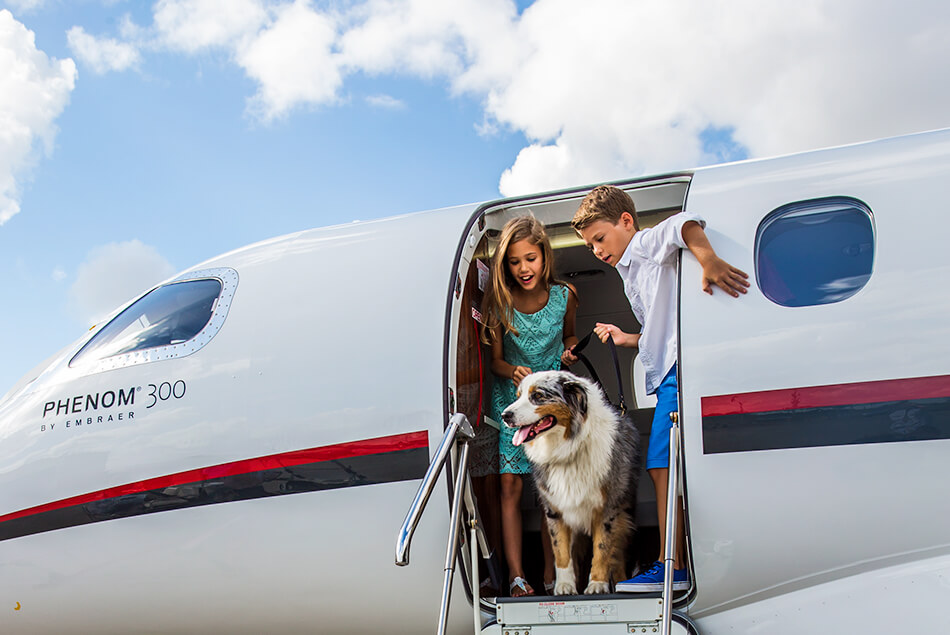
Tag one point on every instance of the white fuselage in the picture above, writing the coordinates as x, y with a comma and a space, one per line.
255, 482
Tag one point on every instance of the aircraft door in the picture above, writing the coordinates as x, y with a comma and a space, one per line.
815, 407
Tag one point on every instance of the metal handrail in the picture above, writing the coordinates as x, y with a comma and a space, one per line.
459, 430
474, 531
458, 426
475, 520
672, 495
451, 548
478, 543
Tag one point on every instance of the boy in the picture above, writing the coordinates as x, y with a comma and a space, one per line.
646, 260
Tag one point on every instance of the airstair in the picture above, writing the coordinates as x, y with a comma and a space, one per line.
612, 614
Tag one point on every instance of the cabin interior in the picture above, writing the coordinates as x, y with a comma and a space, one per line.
601, 299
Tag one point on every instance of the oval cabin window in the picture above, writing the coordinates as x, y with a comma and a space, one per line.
815, 252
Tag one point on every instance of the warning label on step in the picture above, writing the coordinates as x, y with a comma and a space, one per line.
560, 612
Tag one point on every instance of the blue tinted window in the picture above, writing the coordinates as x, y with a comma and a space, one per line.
168, 315
815, 252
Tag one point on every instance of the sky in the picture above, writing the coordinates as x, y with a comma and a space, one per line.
138, 138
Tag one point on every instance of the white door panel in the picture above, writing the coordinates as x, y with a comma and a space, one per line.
796, 503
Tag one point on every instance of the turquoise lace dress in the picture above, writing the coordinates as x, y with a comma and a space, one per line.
538, 345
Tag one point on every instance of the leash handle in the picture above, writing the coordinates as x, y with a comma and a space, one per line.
613, 353
581, 345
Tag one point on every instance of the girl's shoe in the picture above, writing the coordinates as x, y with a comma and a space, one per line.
522, 585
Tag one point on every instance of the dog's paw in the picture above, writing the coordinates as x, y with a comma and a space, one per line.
565, 588
595, 587
565, 582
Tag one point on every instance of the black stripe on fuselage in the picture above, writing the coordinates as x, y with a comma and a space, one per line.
385, 467
883, 422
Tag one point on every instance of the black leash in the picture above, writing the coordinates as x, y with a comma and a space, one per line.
581, 345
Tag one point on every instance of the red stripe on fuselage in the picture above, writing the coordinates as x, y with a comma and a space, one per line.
380, 445
826, 396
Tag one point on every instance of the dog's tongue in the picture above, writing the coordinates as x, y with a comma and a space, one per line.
521, 434
529, 432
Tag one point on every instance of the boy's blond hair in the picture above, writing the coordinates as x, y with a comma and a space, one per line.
604, 202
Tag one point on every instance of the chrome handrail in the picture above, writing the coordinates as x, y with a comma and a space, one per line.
451, 547
479, 543
475, 520
459, 430
475, 530
672, 495
458, 425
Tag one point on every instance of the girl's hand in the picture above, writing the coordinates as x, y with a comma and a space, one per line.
519, 373
568, 357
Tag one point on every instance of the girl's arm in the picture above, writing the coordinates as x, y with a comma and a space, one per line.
570, 337
498, 364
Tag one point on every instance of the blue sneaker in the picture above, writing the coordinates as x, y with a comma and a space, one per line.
651, 580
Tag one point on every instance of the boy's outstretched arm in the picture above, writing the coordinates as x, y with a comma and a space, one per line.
715, 270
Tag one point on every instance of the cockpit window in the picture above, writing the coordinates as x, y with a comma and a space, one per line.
172, 320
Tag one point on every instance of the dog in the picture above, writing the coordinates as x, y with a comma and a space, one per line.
586, 464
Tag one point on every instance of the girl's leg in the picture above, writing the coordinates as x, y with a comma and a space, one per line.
511, 487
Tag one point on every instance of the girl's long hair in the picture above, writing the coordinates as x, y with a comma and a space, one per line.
499, 304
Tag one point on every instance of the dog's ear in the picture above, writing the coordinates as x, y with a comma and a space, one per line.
575, 395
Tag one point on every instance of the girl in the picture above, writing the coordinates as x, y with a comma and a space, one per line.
530, 328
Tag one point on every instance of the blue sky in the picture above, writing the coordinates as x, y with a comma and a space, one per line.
139, 138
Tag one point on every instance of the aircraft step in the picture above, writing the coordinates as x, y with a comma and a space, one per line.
595, 614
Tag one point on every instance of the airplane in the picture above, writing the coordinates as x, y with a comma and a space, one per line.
234, 450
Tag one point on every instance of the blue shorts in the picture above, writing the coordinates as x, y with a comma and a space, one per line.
658, 452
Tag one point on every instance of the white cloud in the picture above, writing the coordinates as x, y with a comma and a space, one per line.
606, 88
26, 5
130, 31
300, 55
293, 61
113, 274
192, 25
601, 103
470, 42
385, 101
102, 54
58, 274
407, 36
34, 90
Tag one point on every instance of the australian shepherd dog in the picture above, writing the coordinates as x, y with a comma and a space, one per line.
586, 463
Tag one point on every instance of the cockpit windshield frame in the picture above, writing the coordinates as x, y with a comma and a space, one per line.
121, 327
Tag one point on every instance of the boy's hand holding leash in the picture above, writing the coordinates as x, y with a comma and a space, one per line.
609, 331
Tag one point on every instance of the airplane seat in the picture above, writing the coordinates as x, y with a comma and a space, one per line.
638, 377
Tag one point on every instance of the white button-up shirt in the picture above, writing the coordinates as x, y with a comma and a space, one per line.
648, 268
